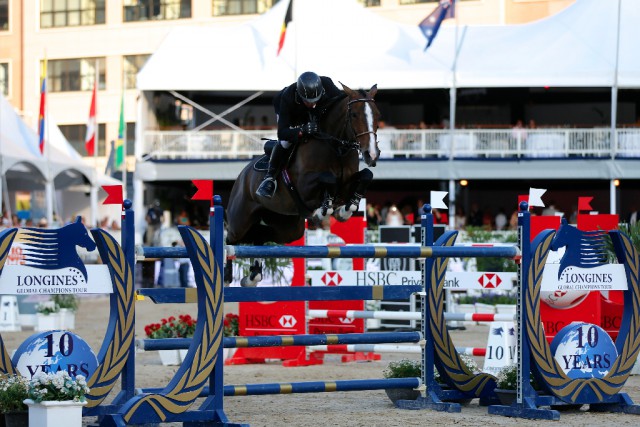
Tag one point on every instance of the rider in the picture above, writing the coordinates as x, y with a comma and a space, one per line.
295, 106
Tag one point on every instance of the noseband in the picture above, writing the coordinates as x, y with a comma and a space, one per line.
358, 135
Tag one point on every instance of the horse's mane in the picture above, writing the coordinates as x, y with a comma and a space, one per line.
592, 248
41, 247
331, 102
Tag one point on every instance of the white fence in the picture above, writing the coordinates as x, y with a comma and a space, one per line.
419, 144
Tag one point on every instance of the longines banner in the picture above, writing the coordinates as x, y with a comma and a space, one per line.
453, 280
607, 277
22, 280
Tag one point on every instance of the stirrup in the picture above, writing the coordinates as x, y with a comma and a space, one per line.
267, 187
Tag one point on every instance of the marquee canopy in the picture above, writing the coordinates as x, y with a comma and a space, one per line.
339, 38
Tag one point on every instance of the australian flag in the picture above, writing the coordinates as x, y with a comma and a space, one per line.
431, 24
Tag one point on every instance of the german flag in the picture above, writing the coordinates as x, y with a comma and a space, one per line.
283, 30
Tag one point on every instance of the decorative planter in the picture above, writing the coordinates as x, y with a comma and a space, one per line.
396, 394
67, 319
54, 413
506, 397
170, 357
16, 419
47, 322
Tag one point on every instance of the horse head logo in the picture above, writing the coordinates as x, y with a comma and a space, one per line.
45, 249
585, 249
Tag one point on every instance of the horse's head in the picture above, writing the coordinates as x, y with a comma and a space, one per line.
79, 235
363, 118
562, 235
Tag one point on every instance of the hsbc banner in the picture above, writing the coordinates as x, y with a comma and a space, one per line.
453, 279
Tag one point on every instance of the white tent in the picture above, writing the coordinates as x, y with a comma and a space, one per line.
60, 168
575, 48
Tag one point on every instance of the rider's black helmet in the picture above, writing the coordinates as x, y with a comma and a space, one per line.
309, 87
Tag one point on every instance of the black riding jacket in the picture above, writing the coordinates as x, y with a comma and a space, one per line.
292, 112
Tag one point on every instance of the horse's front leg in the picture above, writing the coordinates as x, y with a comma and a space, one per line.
362, 180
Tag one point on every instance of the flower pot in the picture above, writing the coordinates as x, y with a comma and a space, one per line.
16, 419
396, 394
170, 357
47, 322
51, 413
67, 319
506, 397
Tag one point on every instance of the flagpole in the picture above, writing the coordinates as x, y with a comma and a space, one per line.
614, 112
49, 187
93, 191
124, 140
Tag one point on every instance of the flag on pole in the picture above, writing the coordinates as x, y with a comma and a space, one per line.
204, 189
90, 137
431, 24
43, 97
119, 157
283, 30
114, 195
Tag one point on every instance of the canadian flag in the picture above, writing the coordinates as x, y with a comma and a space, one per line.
90, 138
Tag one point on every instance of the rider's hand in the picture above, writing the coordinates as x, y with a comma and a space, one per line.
309, 128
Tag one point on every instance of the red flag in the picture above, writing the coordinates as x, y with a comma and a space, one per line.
584, 204
283, 30
204, 189
114, 195
90, 138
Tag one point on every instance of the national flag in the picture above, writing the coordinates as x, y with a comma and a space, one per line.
431, 24
283, 30
122, 129
43, 97
114, 195
90, 137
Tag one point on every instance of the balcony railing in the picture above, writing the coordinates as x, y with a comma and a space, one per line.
415, 144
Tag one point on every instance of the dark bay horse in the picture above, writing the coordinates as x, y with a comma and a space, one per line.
321, 178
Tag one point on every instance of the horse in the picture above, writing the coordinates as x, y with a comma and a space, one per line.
42, 246
320, 179
585, 249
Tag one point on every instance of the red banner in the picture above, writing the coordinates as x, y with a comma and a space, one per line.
204, 189
114, 195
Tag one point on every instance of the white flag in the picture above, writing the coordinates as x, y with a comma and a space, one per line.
437, 201
535, 196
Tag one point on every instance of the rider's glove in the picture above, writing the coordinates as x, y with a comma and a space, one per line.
309, 128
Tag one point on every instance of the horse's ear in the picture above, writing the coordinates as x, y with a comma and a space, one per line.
78, 218
346, 88
564, 221
372, 92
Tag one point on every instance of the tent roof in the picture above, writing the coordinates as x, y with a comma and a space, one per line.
341, 39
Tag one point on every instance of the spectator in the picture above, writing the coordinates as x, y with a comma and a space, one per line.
373, 216
501, 220
475, 216
632, 217
394, 217
440, 217
154, 221
550, 210
384, 140
183, 218
519, 133
460, 221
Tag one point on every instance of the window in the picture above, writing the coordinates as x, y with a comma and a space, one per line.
369, 3
142, 10
4, 15
69, 75
133, 64
4, 78
131, 138
75, 134
241, 7
71, 13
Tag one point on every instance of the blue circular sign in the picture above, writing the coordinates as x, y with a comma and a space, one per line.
584, 350
53, 351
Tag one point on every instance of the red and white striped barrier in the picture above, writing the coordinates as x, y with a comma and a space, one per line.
407, 315
389, 348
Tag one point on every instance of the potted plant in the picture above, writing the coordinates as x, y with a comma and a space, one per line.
56, 397
47, 316
506, 384
14, 389
68, 304
403, 368
182, 327
231, 328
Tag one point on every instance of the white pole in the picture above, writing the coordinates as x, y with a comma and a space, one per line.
614, 90
124, 141
93, 192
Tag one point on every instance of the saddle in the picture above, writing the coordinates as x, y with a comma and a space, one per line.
262, 165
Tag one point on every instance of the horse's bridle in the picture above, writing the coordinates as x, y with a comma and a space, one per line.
358, 135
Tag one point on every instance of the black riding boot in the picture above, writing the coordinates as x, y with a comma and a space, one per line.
268, 186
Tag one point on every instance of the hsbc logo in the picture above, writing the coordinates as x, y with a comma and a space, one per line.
287, 321
346, 320
489, 280
331, 278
